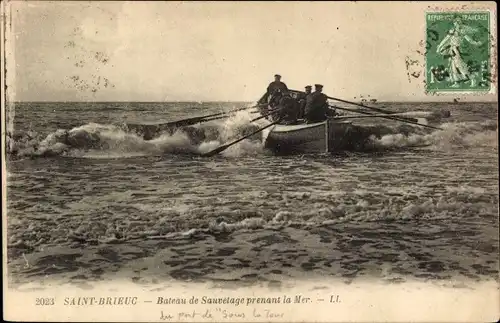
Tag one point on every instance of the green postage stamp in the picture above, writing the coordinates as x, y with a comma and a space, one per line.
458, 52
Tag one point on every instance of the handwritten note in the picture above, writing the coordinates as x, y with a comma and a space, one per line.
239, 307
219, 313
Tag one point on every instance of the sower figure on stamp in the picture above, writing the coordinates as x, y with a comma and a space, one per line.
450, 48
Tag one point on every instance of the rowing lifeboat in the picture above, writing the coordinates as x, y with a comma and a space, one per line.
326, 136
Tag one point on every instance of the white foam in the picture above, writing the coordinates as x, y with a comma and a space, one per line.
96, 140
453, 135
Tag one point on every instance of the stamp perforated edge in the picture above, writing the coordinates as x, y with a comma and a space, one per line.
493, 49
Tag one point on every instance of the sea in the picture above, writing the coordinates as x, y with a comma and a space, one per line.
417, 205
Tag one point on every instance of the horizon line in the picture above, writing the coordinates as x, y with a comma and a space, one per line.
238, 101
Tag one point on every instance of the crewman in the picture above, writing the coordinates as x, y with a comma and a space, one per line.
302, 97
273, 87
288, 109
277, 85
316, 105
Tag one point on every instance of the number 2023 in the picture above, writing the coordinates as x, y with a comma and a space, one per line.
44, 301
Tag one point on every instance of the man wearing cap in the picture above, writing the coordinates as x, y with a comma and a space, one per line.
277, 85
302, 98
316, 105
273, 87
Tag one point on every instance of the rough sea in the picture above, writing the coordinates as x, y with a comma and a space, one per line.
418, 205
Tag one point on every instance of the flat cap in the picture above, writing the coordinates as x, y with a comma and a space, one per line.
277, 75
318, 85
308, 87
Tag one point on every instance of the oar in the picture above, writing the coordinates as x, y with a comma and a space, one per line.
365, 106
267, 114
354, 103
227, 115
358, 117
226, 146
371, 108
195, 120
423, 114
216, 118
389, 117
259, 105
386, 113
235, 110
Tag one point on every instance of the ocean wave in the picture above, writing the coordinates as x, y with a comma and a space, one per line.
454, 135
165, 220
94, 140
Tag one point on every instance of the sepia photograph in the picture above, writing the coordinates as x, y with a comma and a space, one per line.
206, 161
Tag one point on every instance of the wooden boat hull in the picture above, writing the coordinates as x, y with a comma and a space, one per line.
318, 137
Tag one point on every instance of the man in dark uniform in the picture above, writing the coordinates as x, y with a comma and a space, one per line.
316, 105
277, 85
273, 87
302, 97
288, 109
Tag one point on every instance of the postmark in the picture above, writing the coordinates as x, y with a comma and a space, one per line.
458, 52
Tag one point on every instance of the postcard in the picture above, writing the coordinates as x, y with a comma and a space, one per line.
215, 161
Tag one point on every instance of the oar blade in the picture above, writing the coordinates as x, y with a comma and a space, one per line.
216, 151
225, 146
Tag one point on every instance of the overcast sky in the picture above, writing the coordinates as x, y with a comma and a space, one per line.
169, 51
